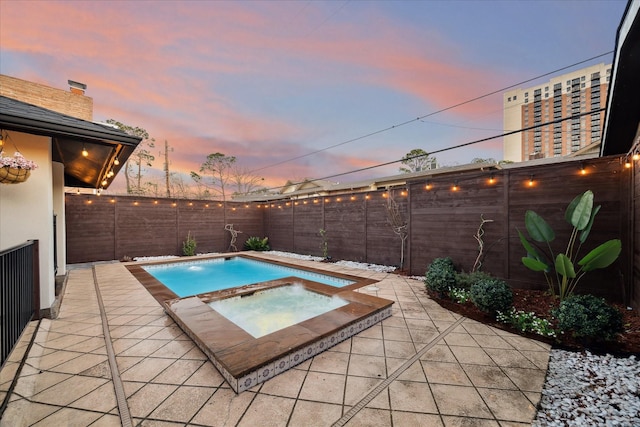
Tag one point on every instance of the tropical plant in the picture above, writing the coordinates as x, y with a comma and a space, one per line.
189, 245
564, 278
257, 244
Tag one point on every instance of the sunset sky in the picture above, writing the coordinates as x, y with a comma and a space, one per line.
270, 81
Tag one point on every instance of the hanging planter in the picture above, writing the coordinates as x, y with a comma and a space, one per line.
16, 169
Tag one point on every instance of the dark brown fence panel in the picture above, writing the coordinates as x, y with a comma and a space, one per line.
554, 186
205, 221
308, 221
445, 220
107, 228
146, 228
90, 228
383, 246
280, 226
247, 219
442, 222
344, 224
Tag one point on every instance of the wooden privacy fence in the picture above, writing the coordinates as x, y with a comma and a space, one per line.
442, 221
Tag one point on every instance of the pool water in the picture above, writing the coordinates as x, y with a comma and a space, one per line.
198, 277
265, 312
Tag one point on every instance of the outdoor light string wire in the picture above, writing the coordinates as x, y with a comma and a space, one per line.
441, 150
428, 115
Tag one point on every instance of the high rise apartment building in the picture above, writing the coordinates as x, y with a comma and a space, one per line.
578, 96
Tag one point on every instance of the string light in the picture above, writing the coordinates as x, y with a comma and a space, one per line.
531, 181
583, 170
627, 163
116, 161
85, 153
492, 179
352, 198
455, 186
428, 186
636, 156
104, 182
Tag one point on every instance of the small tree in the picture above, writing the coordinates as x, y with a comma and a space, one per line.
141, 157
218, 167
417, 160
580, 214
398, 223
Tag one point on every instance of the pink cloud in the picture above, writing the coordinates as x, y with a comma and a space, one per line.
164, 68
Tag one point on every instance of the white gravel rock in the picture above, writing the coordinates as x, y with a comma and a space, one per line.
584, 389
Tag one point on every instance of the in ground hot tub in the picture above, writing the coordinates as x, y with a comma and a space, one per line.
249, 352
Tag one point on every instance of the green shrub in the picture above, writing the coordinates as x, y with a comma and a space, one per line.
466, 280
441, 275
587, 316
257, 244
189, 246
491, 295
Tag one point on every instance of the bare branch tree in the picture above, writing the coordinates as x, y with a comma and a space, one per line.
397, 222
478, 236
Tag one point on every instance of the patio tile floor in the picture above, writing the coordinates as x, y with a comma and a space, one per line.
422, 366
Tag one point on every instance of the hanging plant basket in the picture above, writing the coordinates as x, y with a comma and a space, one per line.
16, 169
10, 175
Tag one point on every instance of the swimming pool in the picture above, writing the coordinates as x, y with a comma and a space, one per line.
201, 276
245, 357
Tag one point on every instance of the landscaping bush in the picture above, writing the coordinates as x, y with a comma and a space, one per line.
189, 246
588, 317
441, 275
466, 280
257, 244
491, 295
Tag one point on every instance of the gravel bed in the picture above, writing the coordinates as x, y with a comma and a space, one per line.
584, 389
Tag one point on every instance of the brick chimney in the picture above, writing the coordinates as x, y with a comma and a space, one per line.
76, 87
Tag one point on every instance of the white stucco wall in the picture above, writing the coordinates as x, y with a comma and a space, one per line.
58, 209
26, 209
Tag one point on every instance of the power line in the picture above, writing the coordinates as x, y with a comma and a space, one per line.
429, 114
477, 141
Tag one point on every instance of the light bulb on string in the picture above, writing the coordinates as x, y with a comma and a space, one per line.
85, 153
116, 161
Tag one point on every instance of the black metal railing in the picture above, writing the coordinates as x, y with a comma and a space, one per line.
19, 293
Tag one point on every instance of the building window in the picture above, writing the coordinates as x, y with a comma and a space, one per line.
509, 99
515, 97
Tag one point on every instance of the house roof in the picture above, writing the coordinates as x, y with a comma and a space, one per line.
104, 143
621, 128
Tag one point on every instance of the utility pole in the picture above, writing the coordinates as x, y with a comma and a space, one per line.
166, 166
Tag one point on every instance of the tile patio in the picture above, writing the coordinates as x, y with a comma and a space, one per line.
114, 357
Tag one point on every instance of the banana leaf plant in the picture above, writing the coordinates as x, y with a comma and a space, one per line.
560, 270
